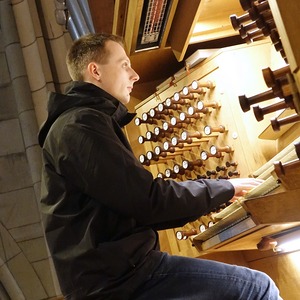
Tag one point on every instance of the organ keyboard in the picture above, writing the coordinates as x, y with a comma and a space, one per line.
272, 206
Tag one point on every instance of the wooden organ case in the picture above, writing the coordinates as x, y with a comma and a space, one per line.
235, 114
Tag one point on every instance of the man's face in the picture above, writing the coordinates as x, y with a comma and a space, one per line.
117, 76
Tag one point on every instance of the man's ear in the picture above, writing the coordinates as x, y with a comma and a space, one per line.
93, 71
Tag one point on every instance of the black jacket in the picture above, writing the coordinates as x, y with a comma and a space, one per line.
100, 207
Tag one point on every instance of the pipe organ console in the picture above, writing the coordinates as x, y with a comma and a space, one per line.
201, 126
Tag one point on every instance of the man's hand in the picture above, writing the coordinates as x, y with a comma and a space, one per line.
243, 185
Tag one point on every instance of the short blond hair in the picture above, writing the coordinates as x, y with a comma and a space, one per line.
86, 49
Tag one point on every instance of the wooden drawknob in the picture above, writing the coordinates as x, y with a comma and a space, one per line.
277, 123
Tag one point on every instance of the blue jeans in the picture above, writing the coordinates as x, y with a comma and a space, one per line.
182, 278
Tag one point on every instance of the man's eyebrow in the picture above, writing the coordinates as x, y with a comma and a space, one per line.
124, 59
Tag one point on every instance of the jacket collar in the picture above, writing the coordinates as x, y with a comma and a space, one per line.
83, 94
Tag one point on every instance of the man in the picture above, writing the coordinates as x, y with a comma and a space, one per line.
101, 208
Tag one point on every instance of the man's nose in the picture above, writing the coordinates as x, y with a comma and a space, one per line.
135, 75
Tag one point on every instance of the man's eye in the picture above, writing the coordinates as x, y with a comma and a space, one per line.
126, 65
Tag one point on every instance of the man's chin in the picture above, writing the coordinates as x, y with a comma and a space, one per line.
125, 100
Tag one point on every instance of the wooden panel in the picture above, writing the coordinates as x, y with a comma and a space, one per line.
120, 13
133, 18
289, 136
277, 208
102, 15
154, 64
169, 23
200, 21
169, 243
186, 16
214, 22
284, 269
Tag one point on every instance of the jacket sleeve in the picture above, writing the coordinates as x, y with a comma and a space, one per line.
94, 155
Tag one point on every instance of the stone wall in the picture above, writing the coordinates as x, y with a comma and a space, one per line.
27, 64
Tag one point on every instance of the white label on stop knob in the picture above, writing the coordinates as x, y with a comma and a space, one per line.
234, 135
